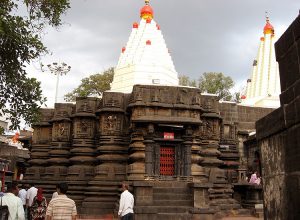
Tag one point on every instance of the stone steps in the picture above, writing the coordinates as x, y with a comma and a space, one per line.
162, 209
171, 196
173, 203
171, 216
171, 190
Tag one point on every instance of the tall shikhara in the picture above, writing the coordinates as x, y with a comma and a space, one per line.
145, 59
263, 88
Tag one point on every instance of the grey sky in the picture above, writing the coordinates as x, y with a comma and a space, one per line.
203, 36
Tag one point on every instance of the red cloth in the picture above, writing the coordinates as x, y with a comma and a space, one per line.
39, 195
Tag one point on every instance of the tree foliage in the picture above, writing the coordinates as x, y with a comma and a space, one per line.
216, 83
20, 43
186, 81
93, 85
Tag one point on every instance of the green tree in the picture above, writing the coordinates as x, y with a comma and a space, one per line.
20, 43
186, 81
216, 83
93, 85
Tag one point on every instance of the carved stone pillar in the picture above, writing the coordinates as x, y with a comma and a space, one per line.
220, 193
210, 141
197, 171
136, 164
149, 157
40, 146
82, 158
229, 151
60, 145
112, 156
187, 155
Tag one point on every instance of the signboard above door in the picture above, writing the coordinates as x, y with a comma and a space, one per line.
169, 135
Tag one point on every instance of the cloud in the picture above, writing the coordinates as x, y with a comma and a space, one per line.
203, 36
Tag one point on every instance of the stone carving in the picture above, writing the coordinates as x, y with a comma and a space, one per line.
85, 108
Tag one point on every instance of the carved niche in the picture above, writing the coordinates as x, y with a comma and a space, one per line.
61, 131
41, 134
84, 128
62, 111
210, 128
111, 124
84, 107
113, 100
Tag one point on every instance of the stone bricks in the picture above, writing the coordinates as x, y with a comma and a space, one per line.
270, 124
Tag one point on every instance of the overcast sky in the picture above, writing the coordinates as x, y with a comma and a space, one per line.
202, 36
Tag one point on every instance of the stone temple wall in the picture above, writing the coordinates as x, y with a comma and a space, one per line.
278, 134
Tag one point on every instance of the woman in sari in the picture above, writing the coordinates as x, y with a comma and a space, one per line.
39, 206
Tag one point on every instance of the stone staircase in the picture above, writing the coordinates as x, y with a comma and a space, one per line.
171, 200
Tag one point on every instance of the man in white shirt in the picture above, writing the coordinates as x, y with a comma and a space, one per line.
14, 203
31, 193
126, 204
22, 195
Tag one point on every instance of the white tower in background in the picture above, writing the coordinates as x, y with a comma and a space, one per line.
263, 88
145, 59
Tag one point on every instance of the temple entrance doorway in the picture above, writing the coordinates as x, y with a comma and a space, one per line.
167, 161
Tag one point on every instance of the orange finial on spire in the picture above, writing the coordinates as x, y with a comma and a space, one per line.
268, 29
147, 11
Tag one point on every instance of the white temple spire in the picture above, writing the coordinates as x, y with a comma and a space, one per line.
263, 88
145, 59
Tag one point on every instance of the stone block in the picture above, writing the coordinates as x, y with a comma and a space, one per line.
289, 68
292, 150
287, 96
270, 124
293, 196
296, 28
284, 43
297, 89
290, 114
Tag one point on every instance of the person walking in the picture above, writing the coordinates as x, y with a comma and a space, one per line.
126, 204
61, 207
22, 195
14, 203
55, 194
31, 193
39, 206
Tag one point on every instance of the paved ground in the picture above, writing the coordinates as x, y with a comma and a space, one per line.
241, 218
109, 217
227, 218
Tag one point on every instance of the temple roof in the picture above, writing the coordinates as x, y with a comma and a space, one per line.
268, 29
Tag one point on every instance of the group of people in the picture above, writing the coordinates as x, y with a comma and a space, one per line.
32, 205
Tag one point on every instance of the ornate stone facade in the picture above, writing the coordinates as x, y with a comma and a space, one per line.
154, 137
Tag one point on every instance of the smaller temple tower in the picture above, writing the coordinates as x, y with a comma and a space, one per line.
263, 88
145, 59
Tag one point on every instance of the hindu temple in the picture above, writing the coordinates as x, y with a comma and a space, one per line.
182, 152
